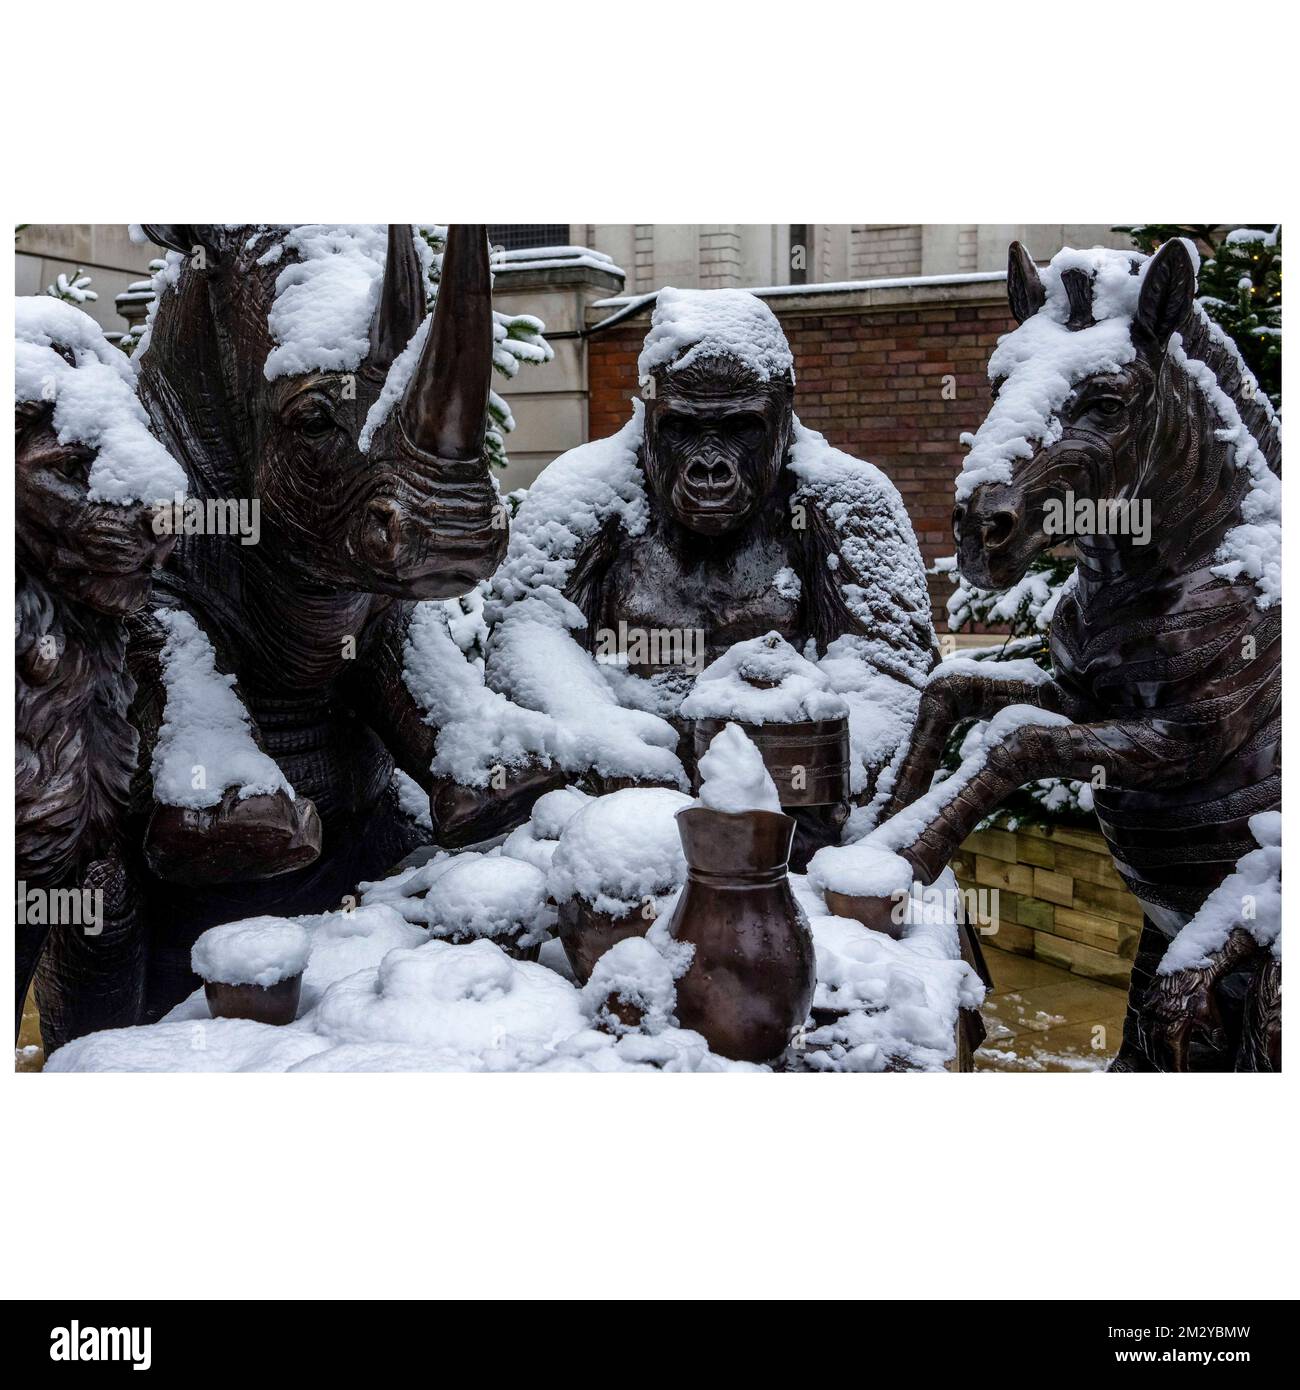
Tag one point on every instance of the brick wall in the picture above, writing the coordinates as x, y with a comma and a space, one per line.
870, 375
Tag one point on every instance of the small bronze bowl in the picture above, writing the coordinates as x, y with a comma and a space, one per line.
587, 934
875, 913
275, 1004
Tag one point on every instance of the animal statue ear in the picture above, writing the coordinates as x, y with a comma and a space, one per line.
184, 237
401, 299
1025, 292
1168, 289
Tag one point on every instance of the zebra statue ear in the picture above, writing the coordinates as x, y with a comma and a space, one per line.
185, 237
1025, 292
1168, 290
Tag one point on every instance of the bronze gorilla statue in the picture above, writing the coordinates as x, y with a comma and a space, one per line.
712, 518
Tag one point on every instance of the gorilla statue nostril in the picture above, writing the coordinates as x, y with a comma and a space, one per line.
998, 529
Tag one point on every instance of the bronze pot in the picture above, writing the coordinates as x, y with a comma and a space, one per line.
587, 934
276, 1004
876, 913
820, 747
750, 982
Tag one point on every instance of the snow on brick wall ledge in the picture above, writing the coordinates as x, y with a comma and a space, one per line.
870, 375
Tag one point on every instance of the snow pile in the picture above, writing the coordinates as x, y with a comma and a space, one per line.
94, 401
897, 1000
631, 973
621, 850
734, 777
554, 810
690, 326
763, 681
258, 951
1250, 897
478, 728
874, 866
1040, 362
326, 298
205, 735
464, 999
490, 896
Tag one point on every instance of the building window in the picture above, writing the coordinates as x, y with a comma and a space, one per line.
524, 236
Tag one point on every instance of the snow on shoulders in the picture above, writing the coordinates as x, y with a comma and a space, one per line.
570, 501
621, 850
206, 735
734, 777
94, 400
763, 681
257, 951
694, 325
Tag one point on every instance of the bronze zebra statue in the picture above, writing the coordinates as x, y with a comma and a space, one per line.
1166, 651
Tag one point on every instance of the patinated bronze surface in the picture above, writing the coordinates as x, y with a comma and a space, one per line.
587, 934
751, 980
1170, 674
311, 619
82, 566
275, 1004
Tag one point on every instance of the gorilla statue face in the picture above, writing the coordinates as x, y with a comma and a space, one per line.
715, 440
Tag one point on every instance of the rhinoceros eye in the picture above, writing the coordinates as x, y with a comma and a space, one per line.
313, 419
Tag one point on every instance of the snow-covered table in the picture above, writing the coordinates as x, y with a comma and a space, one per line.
382, 992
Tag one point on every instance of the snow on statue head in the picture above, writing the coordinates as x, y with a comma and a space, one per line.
718, 376
1111, 351
360, 422
87, 470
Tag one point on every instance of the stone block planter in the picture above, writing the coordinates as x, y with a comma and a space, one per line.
1059, 898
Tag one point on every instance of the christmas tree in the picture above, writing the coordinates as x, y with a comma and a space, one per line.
1240, 288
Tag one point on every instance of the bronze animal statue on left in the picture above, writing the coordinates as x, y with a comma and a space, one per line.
86, 476
264, 370
1166, 686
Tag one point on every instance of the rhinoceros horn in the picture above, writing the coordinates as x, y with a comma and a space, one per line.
401, 299
444, 410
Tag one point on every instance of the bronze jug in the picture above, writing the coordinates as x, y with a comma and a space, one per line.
750, 982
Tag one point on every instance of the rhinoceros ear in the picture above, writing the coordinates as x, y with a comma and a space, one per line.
1025, 292
1168, 289
185, 237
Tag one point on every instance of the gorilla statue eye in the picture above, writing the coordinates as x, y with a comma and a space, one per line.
1108, 407
747, 427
